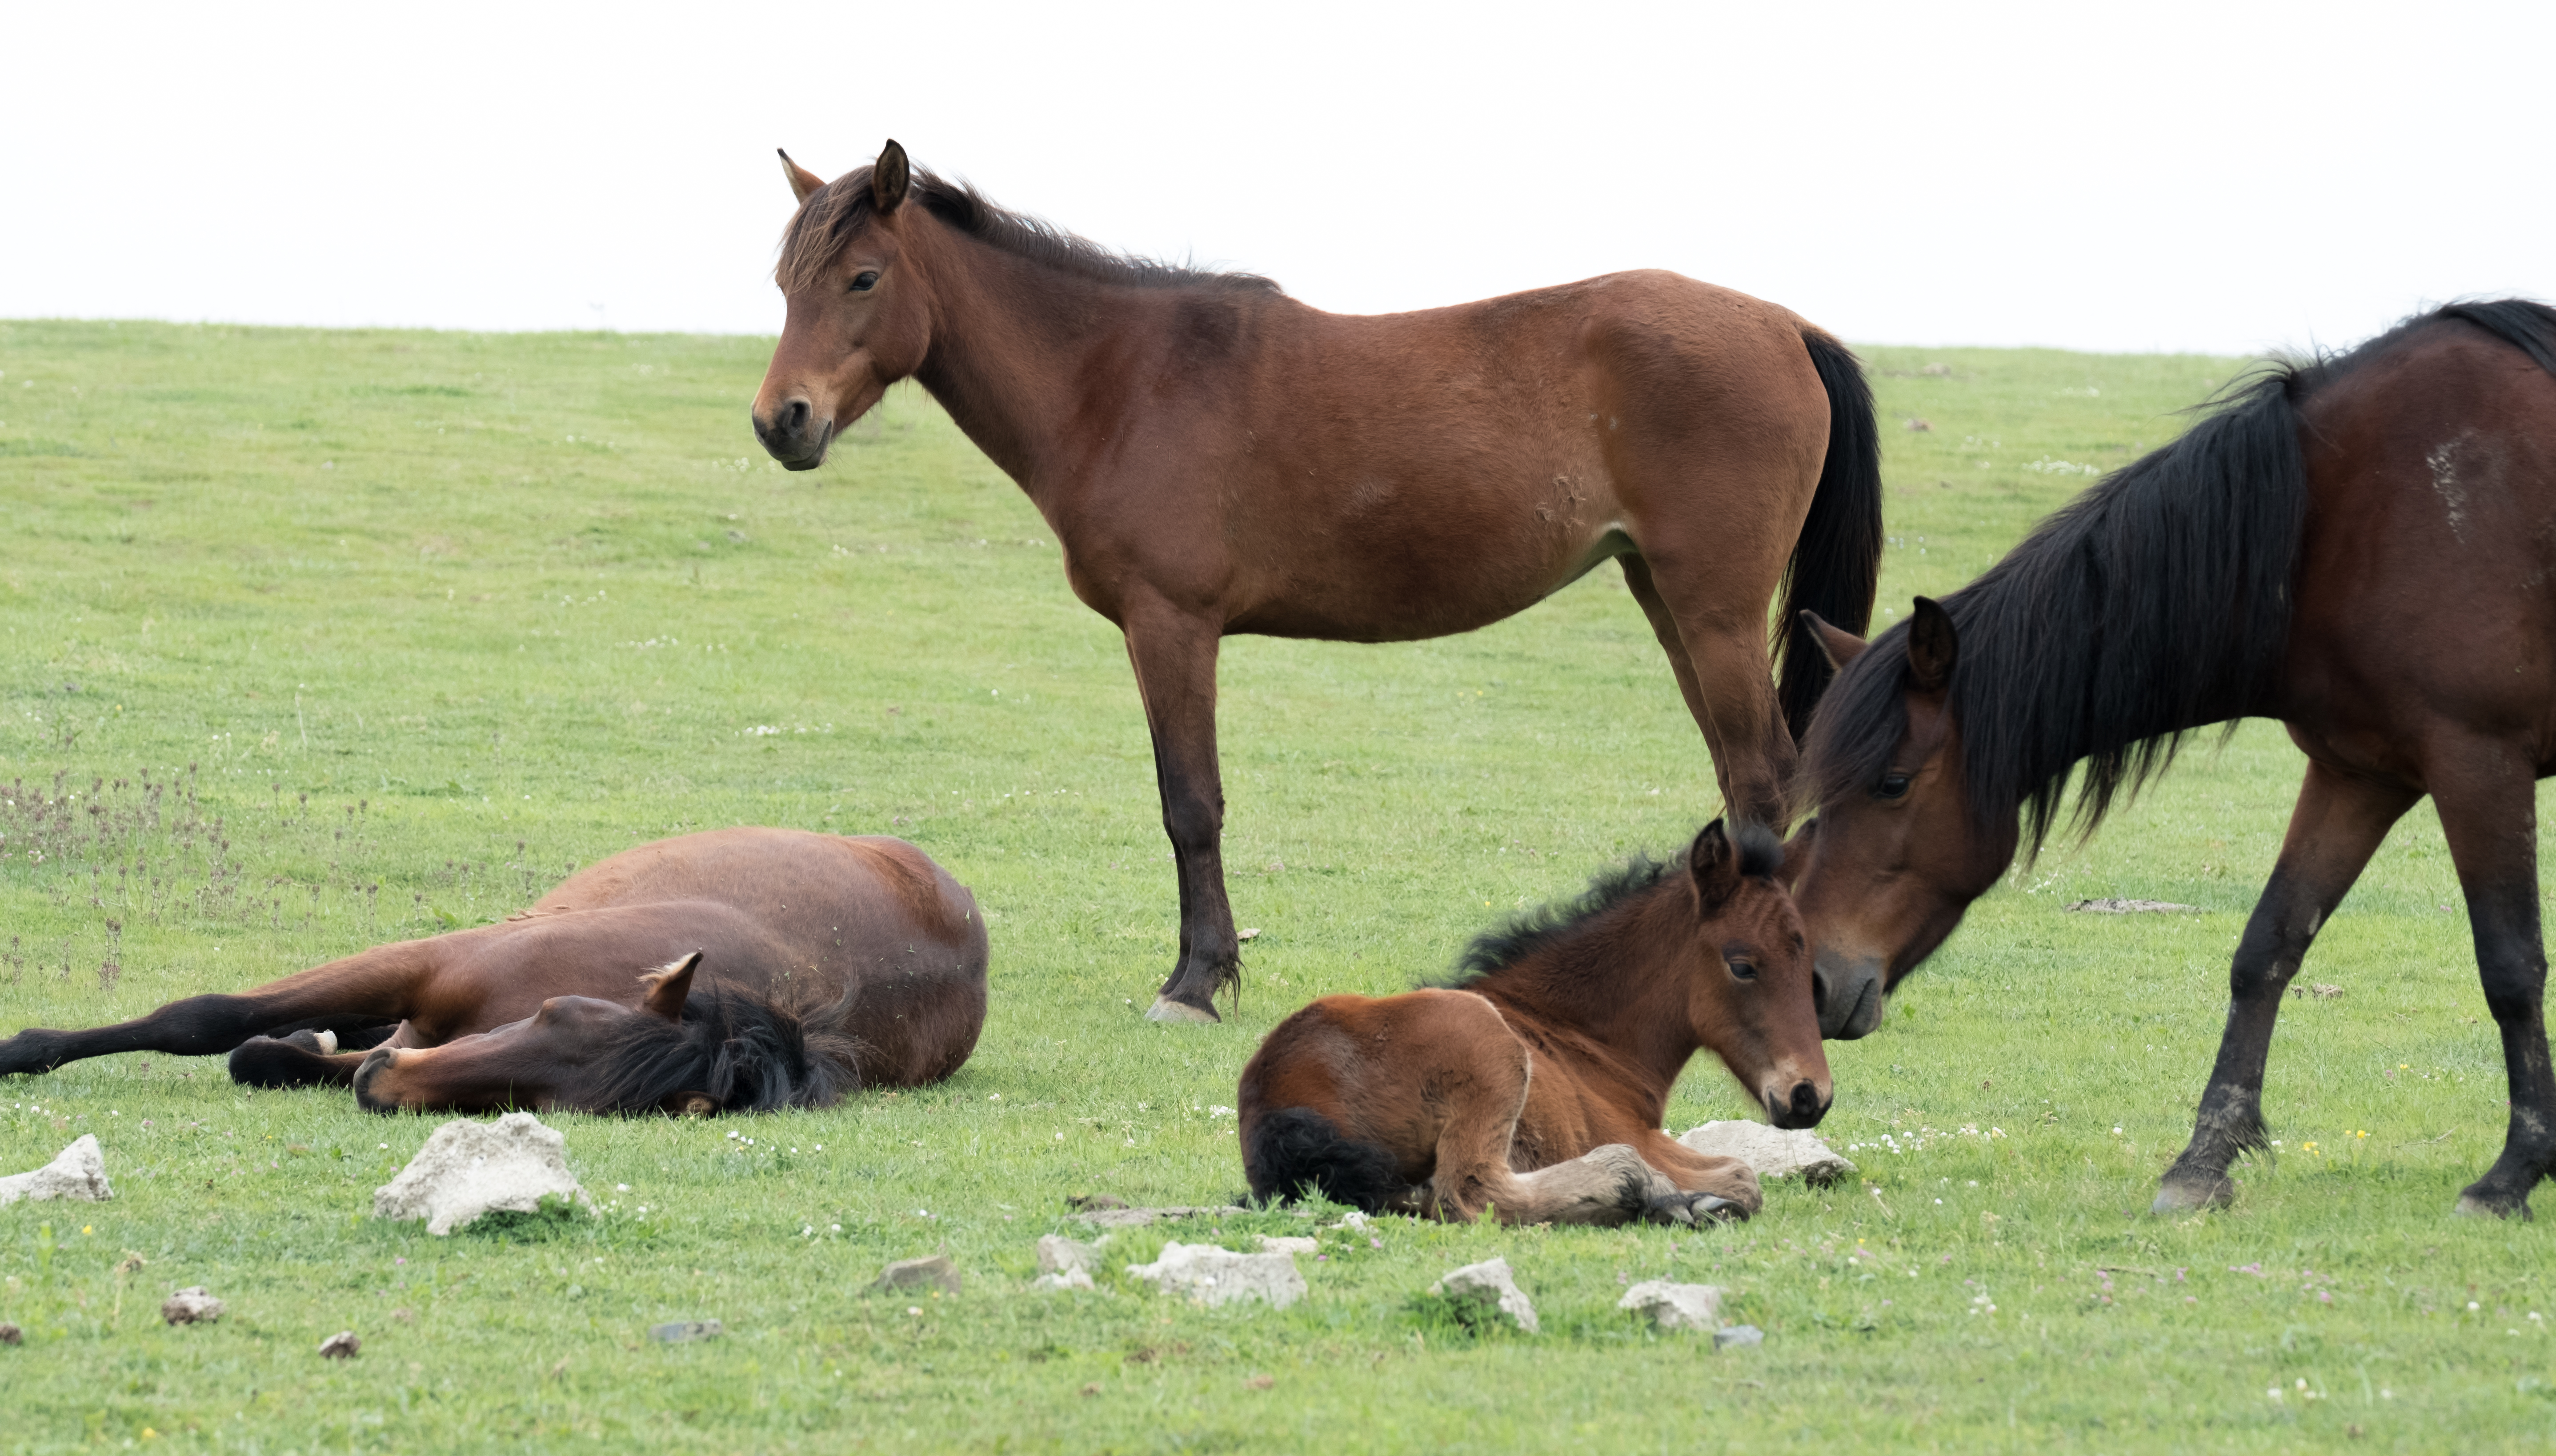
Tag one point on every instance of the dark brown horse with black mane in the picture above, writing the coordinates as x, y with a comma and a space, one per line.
2362, 547
1216, 457
735, 970
1536, 1082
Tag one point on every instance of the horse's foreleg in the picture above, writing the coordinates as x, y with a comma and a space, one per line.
2488, 813
2336, 827
1174, 661
358, 992
1701, 1186
302, 1059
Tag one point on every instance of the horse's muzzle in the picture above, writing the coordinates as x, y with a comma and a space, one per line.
1849, 997
795, 437
1802, 1107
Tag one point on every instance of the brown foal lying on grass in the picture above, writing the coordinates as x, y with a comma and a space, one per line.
740, 969
1536, 1084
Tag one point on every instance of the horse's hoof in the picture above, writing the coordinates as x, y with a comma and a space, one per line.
1167, 1009
1695, 1208
2176, 1196
2471, 1205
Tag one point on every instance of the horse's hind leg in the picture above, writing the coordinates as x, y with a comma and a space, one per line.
1717, 650
361, 991
2489, 815
2336, 827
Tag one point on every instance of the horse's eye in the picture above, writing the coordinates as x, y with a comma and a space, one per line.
1893, 785
866, 282
1741, 969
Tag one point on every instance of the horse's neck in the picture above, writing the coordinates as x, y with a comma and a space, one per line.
1013, 343
1644, 1028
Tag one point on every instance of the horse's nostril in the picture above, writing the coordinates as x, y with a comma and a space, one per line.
1806, 1099
794, 416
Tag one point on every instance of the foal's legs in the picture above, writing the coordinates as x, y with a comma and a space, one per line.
1175, 660
2488, 806
2337, 825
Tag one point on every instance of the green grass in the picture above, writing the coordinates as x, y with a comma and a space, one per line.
310, 640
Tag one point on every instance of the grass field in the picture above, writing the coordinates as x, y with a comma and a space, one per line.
312, 640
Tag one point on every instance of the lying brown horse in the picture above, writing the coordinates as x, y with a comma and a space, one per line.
2359, 547
740, 969
1536, 1084
1216, 457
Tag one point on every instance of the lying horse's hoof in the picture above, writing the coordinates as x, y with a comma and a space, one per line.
1695, 1209
2474, 1205
1167, 1009
2176, 1196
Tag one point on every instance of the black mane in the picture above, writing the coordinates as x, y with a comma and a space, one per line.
835, 214
1762, 854
745, 1053
2154, 604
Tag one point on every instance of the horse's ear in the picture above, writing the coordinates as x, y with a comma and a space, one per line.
667, 985
1932, 646
889, 178
1714, 865
802, 180
1835, 643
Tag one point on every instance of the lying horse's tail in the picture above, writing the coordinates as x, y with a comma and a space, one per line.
1836, 560
1297, 1151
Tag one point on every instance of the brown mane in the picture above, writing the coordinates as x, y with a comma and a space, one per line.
835, 213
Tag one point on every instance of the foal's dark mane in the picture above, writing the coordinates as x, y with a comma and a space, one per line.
1556, 923
2155, 603
835, 213
744, 1052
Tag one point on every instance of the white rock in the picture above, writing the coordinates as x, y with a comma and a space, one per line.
1288, 1244
1213, 1275
468, 1168
78, 1173
1488, 1283
1051, 1284
1676, 1307
1353, 1220
1739, 1336
1773, 1153
191, 1307
1058, 1254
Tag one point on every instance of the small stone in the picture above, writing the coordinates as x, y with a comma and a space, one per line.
78, 1173
1738, 1337
191, 1307
10, 1334
1057, 1283
1058, 1254
1771, 1152
1288, 1244
1093, 1202
2132, 908
1260, 1383
1353, 1220
1489, 1286
341, 1345
1213, 1276
675, 1332
469, 1168
1676, 1307
935, 1271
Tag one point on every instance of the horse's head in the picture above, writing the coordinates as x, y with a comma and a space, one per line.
1897, 852
859, 314
577, 1052
1751, 1004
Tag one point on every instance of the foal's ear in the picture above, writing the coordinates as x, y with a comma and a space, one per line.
1714, 865
667, 985
889, 178
1932, 646
802, 180
1838, 644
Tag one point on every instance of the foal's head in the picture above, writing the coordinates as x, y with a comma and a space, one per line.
674, 1052
857, 323
1749, 987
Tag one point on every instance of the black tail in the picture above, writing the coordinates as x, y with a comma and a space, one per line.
1837, 561
1296, 1151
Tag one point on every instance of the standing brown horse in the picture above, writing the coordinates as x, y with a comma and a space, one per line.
740, 969
2359, 547
1536, 1084
1216, 457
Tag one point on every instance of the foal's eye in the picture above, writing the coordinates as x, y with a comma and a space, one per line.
1743, 969
1893, 785
866, 282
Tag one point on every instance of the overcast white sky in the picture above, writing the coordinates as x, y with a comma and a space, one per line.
2218, 177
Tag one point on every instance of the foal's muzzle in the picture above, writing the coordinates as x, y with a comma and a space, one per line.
1802, 1107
